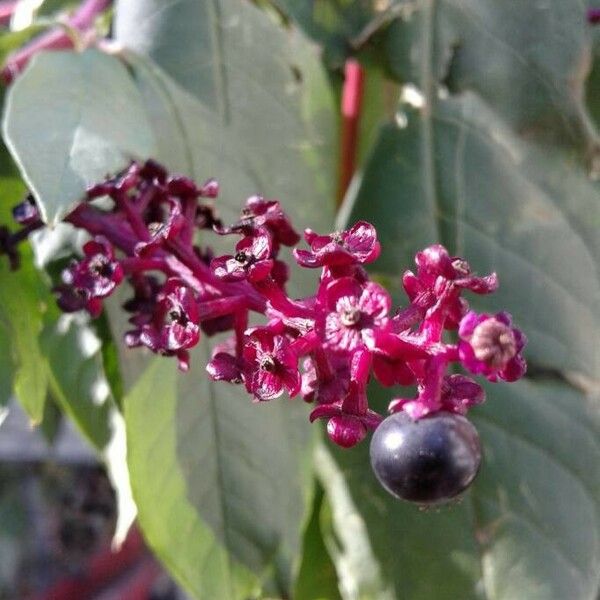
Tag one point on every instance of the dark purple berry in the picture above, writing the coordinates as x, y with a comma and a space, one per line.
429, 461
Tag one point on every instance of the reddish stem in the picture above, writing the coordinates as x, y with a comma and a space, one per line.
7, 8
54, 39
351, 107
212, 309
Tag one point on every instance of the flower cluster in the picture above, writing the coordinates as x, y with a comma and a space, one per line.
324, 347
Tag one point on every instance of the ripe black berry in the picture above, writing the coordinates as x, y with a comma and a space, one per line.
429, 461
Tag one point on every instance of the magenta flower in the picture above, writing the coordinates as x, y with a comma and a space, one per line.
225, 367
251, 261
346, 430
435, 268
491, 346
348, 420
459, 393
174, 326
350, 313
391, 353
161, 231
88, 281
267, 214
357, 245
271, 367
325, 388
224, 364
343, 332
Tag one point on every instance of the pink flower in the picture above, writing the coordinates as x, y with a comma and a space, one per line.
459, 393
435, 269
251, 261
174, 325
88, 281
491, 346
348, 419
328, 389
357, 245
163, 231
350, 313
271, 367
267, 214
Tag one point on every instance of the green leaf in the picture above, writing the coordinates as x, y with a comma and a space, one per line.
341, 27
498, 170
51, 421
317, 579
70, 119
264, 122
489, 155
528, 212
528, 61
77, 378
6, 366
256, 112
22, 306
220, 482
529, 528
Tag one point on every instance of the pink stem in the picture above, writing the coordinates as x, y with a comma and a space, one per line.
54, 39
7, 8
98, 222
305, 344
134, 218
280, 301
240, 324
322, 365
211, 309
132, 265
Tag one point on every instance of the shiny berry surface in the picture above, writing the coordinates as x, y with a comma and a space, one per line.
429, 461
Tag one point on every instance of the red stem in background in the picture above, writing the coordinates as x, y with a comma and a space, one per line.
54, 39
101, 569
7, 8
593, 16
352, 93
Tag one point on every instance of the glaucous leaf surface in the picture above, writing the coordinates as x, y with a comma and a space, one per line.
263, 122
23, 299
252, 108
220, 482
317, 578
70, 119
500, 171
491, 154
76, 376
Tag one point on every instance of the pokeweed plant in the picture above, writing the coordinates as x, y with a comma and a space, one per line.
461, 171
340, 333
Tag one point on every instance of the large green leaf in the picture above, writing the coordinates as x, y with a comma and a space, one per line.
489, 154
530, 213
498, 171
256, 113
22, 306
77, 378
264, 122
529, 528
70, 119
220, 482
528, 61
317, 579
